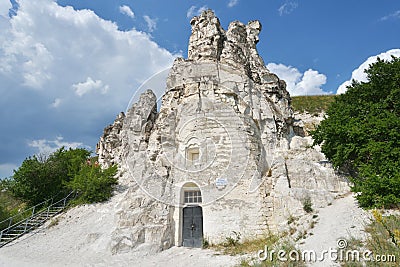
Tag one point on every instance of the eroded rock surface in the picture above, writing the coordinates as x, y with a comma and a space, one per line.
225, 128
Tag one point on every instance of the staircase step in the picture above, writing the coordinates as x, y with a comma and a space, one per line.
7, 239
19, 227
13, 231
10, 234
26, 225
46, 214
36, 223
55, 212
40, 218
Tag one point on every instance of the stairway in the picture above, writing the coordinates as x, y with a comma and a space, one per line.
36, 217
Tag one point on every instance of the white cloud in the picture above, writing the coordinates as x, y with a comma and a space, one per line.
5, 6
287, 8
54, 41
53, 58
47, 42
289, 74
233, 3
194, 11
126, 10
90, 85
46, 147
359, 74
297, 83
311, 83
34, 58
394, 15
191, 12
151, 23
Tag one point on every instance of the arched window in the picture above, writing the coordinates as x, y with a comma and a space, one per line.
191, 194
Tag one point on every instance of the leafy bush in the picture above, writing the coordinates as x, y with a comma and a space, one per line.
361, 135
42, 178
39, 178
93, 184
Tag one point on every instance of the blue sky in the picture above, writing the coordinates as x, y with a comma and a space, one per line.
68, 67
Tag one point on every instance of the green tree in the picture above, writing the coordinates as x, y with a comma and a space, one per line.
93, 183
361, 134
39, 179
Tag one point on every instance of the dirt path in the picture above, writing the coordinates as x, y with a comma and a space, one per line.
341, 220
69, 244
174, 257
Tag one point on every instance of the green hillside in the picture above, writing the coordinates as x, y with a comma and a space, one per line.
312, 104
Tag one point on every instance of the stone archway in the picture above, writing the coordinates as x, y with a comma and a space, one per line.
191, 216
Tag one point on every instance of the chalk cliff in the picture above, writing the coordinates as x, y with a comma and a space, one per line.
224, 130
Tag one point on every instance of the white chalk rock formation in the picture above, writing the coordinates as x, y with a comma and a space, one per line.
222, 146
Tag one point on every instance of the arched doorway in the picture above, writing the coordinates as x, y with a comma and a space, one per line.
192, 216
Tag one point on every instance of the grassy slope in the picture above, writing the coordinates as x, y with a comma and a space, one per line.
383, 241
9, 205
311, 104
9, 202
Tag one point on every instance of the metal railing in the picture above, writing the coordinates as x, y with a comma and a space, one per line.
32, 218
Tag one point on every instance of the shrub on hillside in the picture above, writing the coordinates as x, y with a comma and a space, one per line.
41, 178
93, 184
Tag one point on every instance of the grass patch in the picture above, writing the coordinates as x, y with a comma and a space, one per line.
250, 248
239, 247
312, 104
385, 236
9, 206
383, 240
353, 244
9, 202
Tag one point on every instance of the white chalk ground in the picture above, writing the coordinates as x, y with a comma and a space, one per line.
341, 220
81, 238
